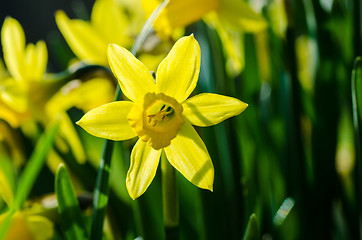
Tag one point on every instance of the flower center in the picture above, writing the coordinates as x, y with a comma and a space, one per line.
160, 116
156, 119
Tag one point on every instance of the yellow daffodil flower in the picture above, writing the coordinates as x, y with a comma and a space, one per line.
228, 17
89, 40
24, 226
26, 65
161, 115
28, 227
28, 93
112, 21
180, 13
25, 92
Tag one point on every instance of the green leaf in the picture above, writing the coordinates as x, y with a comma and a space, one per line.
356, 86
31, 172
252, 231
35, 164
101, 191
68, 206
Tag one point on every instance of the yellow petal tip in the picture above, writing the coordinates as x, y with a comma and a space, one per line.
60, 15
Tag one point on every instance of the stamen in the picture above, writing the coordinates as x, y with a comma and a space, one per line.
160, 115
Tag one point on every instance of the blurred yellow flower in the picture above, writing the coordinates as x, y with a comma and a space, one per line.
89, 40
26, 65
161, 115
28, 94
23, 226
235, 14
230, 18
28, 227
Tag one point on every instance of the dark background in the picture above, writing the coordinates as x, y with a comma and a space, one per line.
38, 21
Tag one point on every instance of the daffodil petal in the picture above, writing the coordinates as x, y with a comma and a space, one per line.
7, 134
83, 95
6, 192
178, 13
208, 109
232, 43
41, 60
13, 43
144, 163
18, 228
178, 73
12, 117
188, 154
133, 76
35, 60
240, 16
84, 41
111, 21
109, 121
69, 133
14, 94
40, 227
3, 72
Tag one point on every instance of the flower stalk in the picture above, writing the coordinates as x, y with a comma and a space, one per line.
169, 198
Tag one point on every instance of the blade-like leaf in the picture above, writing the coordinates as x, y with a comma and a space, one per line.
252, 231
35, 164
68, 206
31, 172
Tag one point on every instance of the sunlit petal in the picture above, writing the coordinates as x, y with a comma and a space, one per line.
240, 16
83, 95
188, 154
178, 73
133, 76
109, 121
110, 20
69, 133
208, 109
178, 13
14, 94
232, 43
35, 61
13, 44
42, 59
40, 227
6, 192
18, 228
84, 41
144, 163
12, 117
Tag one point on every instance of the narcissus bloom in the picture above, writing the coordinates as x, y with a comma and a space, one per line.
89, 40
28, 227
180, 13
229, 18
29, 94
160, 114
24, 225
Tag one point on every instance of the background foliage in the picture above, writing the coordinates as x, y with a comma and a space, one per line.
287, 168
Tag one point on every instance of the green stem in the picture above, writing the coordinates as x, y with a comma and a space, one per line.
357, 36
101, 192
170, 199
358, 138
148, 26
